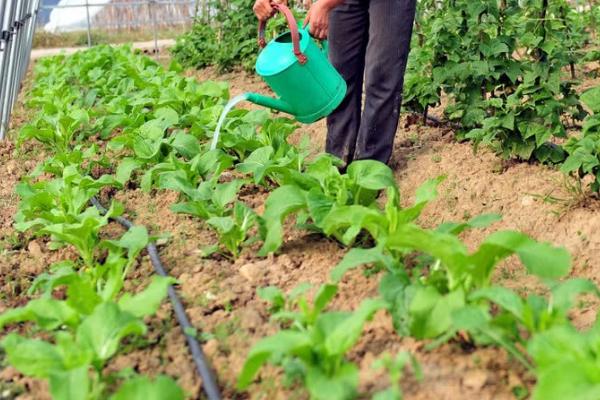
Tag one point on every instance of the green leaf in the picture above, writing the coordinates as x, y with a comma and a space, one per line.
186, 145
176, 180
540, 259
257, 163
32, 357
564, 294
212, 162
476, 320
283, 342
391, 393
273, 295
347, 333
428, 190
147, 143
480, 221
134, 240
356, 257
566, 380
103, 330
346, 222
423, 195
213, 89
125, 169
47, 313
448, 248
142, 388
431, 311
167, 116
566, 363
503, 297
281, 202
208, 251
572, 163
341, 385
71, 384
319, 206
371, 174
221, 224
81, 293
559, 344
591, 98
484, 220
494, 48
299, 290
325, 294
148, 300
225, 193
470, 318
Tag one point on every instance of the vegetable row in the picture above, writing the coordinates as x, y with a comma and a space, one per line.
156, 125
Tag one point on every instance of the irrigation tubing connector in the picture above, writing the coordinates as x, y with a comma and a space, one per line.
209, 382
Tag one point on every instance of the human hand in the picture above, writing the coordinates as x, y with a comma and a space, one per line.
318, 17
264, 9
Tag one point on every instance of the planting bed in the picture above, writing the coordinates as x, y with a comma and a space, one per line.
220, 291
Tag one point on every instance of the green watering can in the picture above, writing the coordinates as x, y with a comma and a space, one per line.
297, 70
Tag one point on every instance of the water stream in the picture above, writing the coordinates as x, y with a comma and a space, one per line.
228, 107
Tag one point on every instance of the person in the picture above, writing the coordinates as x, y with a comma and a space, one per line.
369, 42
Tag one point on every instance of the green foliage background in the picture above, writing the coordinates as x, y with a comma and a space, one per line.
228, 39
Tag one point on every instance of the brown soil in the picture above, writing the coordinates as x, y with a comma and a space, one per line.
220, 295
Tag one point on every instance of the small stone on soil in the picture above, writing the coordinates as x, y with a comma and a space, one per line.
250, 319
475, 379
211, 348
35, 250
10, 167
527, 200
253, 272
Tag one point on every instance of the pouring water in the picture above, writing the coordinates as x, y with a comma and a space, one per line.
228, 107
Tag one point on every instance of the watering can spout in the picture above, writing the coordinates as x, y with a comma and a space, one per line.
270, 102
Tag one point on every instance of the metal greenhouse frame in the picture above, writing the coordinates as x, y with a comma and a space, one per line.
17, 19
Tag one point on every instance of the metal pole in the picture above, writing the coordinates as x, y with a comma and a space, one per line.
117, 4
154, 27
21, 49
17, 44
17, 25
30, 32
2, 9
196, 8
26, 51
9, 63
3, 58
89, 32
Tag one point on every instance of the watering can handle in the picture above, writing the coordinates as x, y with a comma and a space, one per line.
293, 25
324, 42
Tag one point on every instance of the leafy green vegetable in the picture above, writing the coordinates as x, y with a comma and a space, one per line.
142, 388
147, 301
234, 230
318, 341
567, 364
395, 367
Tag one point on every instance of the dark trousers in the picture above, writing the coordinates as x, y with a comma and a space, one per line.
369, 41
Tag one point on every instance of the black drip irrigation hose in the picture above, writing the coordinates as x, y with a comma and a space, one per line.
202, 366
440, 122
